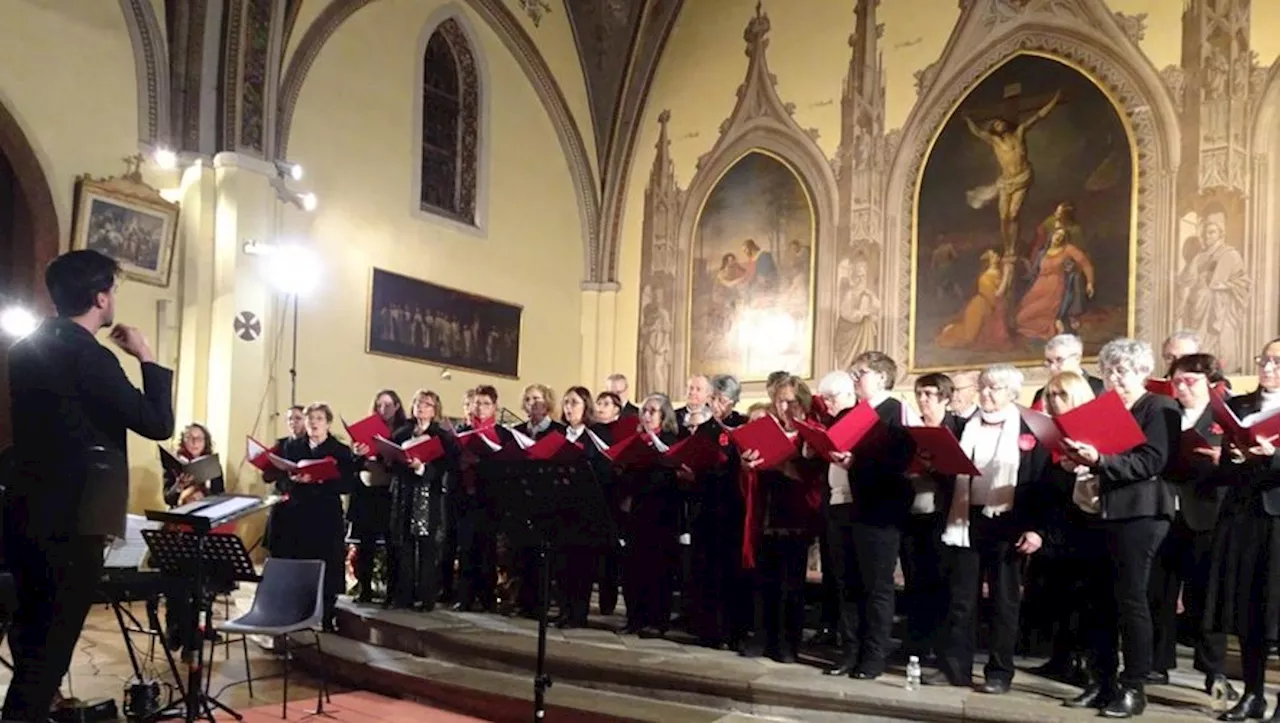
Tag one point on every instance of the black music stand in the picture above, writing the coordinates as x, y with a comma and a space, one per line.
556, 504
206, 559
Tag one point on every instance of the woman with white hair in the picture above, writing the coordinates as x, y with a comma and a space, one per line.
1135, 505
990, 524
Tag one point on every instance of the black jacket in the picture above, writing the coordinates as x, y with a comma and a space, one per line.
882, 493
1259, 477
72, 408
1133, 484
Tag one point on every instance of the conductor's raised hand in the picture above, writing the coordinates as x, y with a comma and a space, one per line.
132, 342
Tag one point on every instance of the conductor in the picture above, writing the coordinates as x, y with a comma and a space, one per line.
71, 407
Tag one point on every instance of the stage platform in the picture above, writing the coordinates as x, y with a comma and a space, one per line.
442, 657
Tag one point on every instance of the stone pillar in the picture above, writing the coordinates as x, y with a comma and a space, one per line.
599, 335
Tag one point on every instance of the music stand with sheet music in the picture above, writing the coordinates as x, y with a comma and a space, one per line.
192, 552
557, 504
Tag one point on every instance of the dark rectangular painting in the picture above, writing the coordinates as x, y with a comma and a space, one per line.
414, 319
1024, 221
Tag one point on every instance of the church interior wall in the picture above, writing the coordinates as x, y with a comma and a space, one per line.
814, 50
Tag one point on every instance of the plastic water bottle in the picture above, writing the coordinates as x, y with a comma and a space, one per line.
913, 673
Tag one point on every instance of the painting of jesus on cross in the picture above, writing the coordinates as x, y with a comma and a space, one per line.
1024, 220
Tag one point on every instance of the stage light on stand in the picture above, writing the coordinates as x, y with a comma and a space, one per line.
294, 270
308, 201
16, 322
289, 170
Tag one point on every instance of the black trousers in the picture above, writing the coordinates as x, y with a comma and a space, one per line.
576, 568
416, 574
1121, 615
477, 554
925, 595
609, 575
55, 580
778, 592
991, 557
1064, 588
1182, 564
366, 555
449, 544
648, 582
830, 591
864, 557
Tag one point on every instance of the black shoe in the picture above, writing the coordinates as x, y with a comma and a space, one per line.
1218, 687
1126, 704
865, 674
1252, 705
938, 677
753, 648
1275, 715
460, 607
651, 633
1157, 677
825, 636
632, 629
786, 656
1095, 695
845, 667
995, 686
1054, 669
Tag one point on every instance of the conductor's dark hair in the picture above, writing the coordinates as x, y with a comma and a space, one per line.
75, 279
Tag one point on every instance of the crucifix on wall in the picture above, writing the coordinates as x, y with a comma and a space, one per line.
1004, 126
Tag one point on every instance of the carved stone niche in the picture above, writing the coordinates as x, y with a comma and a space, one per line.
1084, 34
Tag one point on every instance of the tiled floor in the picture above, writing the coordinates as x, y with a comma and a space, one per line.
361, 707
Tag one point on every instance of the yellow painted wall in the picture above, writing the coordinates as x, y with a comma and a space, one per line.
67, 76
809, 54
354, 133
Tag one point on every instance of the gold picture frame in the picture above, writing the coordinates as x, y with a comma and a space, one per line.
129, 221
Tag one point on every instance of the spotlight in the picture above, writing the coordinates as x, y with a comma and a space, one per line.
308, 201
17, 322
289, 170
165, 159
294, 270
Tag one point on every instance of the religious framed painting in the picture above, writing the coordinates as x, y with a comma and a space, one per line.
129, 221
1025, 220
420, 321
752, 277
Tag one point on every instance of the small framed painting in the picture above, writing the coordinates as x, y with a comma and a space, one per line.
129, 221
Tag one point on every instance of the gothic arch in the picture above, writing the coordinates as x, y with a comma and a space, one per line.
461, 24
1265, 215
1132, 83
518, 42
44, 237
151, 65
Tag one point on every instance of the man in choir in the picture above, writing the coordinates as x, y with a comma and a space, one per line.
1179, 344
72, 406
881, 501
617, 383
964, 394
1064, 353
697, 393
991, 522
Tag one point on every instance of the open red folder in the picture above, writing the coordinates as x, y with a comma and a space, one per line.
1105, 423
766, 436
842, 436
623, 427
259, 454
943, 450
638, 451
1240, 434
555, 447
319, 470
699, 452
479, 442
1188, 443
425, 449
364, 431
1160, 386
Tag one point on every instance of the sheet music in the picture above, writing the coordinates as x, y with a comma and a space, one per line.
130, 551
226, 508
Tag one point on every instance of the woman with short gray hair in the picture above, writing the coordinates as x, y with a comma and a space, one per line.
1136, 505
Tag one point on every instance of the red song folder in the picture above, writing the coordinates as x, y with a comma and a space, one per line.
943, 450
1105, 423
366, 429
635, 452
699, 452
258, 454
1160, 386
555, 447
479, 442
424, 449
623, 427
1188, 443
319, 470
842, 436
1240, 434
766, 437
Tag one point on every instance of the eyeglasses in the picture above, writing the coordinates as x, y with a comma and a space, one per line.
1057, 394
1265, 361
1187, 380
1052, 362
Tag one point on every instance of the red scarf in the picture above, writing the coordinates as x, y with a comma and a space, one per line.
809, 487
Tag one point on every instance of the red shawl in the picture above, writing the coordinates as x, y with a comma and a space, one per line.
806, 495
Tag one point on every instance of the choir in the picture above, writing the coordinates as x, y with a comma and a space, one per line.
701, 529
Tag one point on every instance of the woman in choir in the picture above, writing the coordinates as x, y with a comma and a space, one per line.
369, 511
296, 428
608, 408
312, 527
579, 559
1244, 578
179, 489
651, 504
788, 497
477, 547
992, 521
606, 416
924, 593
719, 610
1135, 506
1072, 540
522, 576
417, 493
1182, 563
882, 496
839, 397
